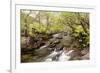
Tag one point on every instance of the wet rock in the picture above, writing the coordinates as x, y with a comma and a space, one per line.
43, 51
66, 41
85, 57
59, 47
74, 54
42, 47
85, 51
58, 36
56, 41
53, 42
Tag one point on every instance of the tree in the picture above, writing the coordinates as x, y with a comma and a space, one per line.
84, 21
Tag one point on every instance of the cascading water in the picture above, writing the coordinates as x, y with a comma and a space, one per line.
51, 57
65, 56
58, 56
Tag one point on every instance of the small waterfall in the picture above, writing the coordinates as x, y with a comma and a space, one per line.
65, 56
52, 56
49, 58
58, 56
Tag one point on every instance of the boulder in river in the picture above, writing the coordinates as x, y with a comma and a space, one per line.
43, 51
66, 41
73, 53
58, 36
85, 51
85, 57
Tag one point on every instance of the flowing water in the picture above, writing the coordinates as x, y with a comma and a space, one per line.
58, 56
